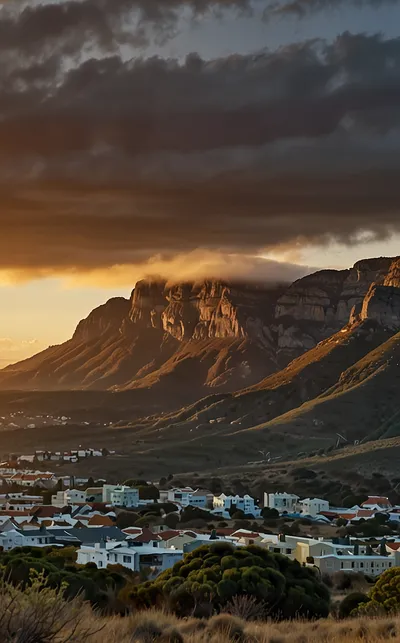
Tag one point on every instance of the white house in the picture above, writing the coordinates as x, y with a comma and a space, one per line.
107, 491
313, 506
125, 497
26, 538
187, 496
222, 504
377, 502
373, 565
281, 501
68, 497
134, 557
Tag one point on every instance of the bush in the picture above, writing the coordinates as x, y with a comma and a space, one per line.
215, 574
385, 595
351, 602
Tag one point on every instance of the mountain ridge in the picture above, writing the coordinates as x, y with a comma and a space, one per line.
210, 334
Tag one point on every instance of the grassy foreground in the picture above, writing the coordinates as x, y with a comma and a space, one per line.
37, 613
146, 627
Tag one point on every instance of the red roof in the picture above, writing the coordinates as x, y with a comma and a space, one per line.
365, 513
245, 534
166, 535
377, 500
132, 530
393, 546
146, 536
46, 511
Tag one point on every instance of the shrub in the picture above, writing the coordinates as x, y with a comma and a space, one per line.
350, 603
40, 614
217, 573
385, 595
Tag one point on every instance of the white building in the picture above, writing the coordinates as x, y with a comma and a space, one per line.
125, 497
187, 496
135, 557
68, 497
281, 501
313, 506
38, 537
107, 491
373, 565
222, 504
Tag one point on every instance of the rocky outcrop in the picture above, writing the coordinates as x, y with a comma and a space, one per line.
204, 310
382, 304
356, 285
315, 307
104, 320
393, 276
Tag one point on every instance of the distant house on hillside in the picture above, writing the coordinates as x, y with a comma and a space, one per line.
281, 501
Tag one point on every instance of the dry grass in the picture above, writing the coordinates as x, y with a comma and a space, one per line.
39, 614
160, 627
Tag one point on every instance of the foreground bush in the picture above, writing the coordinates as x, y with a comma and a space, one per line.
40, 614
384, 597
209, 578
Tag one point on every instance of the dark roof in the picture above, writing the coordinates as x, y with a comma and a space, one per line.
35, 532
88, 535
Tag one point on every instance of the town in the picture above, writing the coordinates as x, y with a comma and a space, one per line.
150, 526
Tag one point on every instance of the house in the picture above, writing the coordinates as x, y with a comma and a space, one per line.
222, 504
86, 535
125, 497
187, 496
38, 537
94, 494
373, 565
134, 557
175, 539
377, 503
282, 502
313, 506
107, 491
68, 497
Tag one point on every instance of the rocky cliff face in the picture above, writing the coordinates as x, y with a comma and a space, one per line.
315, 307
104, 320
204, 310
211, 333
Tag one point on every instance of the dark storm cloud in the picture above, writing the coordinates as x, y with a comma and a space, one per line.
303, 8
73, 26
115, 162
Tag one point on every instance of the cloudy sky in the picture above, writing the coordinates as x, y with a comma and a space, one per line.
186, 138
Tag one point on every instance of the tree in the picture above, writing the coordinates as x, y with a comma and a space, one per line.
148, 492
127, 519
350, 603
385, 595
215, 574
341, 522
269, 514
171, 520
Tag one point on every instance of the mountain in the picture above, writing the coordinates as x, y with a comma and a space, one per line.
175, 338
186, 340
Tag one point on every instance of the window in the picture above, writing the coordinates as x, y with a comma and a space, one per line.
341, 564
127, 559
100, 563
361, 565
352, 564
